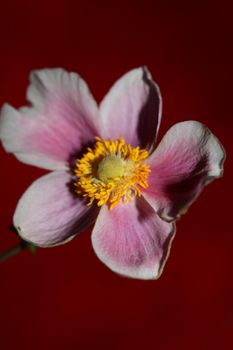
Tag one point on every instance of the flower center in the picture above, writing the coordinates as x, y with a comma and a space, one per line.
110, 167
110, 172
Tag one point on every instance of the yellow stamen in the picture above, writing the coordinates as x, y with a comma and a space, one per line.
111, 171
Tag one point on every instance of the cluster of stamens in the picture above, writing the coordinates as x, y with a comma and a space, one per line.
111, 171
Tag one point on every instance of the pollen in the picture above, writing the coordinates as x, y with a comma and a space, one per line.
111, 172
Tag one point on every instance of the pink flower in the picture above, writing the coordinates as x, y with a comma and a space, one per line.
133, 195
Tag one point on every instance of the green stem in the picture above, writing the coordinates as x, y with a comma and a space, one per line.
13, 251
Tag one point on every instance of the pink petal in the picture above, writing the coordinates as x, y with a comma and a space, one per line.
132, 240
132, 108
62, 118
49, 213
188, 157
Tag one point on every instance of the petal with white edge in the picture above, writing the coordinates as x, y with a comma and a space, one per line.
132, 109
132, 240
63, 117
50, 213
188, 157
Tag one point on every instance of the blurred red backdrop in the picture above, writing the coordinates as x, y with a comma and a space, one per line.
64, 298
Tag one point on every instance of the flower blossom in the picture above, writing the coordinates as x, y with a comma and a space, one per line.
105, 168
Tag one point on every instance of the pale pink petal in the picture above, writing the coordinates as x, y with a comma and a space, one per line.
132, 240
188, 157
132, 108
50, 213
62, 118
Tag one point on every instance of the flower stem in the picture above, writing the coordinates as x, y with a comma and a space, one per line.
13, 251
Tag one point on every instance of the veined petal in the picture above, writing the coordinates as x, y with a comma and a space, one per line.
62, 118
132, 240
49, 213
132, 108
188, 157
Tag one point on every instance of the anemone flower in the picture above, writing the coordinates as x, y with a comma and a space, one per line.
105, 168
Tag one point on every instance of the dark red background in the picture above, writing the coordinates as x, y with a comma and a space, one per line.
64, 298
